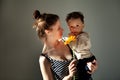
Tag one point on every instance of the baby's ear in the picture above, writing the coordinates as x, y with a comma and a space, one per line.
83, 25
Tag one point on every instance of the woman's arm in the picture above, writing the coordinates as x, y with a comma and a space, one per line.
45, 68
46, 71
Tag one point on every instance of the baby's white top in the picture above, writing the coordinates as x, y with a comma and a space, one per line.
81, 46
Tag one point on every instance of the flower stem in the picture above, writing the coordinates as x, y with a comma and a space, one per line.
73, 58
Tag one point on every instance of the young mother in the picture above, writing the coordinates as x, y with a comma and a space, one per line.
56, 63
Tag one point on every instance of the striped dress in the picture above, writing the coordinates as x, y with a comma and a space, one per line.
58, 68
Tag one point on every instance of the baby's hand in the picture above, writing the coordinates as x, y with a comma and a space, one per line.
92, 66
89, 65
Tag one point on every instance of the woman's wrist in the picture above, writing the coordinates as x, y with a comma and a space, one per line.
69, 77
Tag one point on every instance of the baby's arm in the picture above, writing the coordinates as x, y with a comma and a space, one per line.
83, 42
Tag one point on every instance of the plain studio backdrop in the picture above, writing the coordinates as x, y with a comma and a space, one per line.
20, 46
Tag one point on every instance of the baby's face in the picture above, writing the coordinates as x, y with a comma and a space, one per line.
75, 25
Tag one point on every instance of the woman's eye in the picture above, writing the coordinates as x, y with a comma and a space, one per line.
59, 28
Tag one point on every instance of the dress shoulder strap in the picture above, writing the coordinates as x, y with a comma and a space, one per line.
56, 76
46, 56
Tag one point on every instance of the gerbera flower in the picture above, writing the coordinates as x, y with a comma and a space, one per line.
69, 40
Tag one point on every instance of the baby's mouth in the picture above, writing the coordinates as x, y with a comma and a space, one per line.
75, 33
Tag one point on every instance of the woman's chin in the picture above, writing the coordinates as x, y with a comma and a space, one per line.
60, 39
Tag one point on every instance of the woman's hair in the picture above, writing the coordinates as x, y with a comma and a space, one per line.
43, 22
75, 15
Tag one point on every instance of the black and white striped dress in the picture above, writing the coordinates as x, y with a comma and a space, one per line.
59, 68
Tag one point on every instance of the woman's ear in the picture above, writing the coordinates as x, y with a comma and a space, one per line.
47, 32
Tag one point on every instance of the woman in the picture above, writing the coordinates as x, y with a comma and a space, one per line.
56, 63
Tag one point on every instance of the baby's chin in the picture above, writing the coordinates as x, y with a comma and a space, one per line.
76, 33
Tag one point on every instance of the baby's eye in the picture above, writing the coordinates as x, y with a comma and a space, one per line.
77, 25
71, 27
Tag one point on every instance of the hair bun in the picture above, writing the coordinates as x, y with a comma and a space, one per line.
36, 14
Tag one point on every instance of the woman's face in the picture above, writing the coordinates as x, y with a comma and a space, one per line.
57, 31
75, 26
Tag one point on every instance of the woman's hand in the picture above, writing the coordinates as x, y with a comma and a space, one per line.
72, 70
92, 66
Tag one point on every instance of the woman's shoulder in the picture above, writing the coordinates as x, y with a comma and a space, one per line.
43, 59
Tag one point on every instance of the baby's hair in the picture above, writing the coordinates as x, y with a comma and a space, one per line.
75, 15
43, 22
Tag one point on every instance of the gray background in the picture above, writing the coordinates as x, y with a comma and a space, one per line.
20, 47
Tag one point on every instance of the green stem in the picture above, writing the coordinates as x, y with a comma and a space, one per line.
73, 77
73, 58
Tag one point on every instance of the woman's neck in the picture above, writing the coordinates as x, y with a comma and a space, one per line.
57, 50
52, 44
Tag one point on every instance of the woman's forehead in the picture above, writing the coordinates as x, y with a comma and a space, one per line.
56, 25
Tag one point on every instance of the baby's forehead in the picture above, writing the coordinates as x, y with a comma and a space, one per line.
74, 21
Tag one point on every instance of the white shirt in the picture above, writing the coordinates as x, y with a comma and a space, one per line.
81, 46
